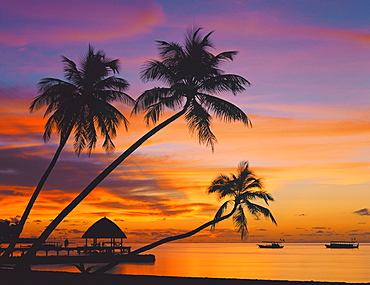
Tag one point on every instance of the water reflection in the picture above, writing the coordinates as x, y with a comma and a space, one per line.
293, 262
303, 262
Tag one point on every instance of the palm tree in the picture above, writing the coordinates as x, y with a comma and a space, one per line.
242, 189
192, 72
79, 104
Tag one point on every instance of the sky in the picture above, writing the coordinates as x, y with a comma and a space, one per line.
309, 65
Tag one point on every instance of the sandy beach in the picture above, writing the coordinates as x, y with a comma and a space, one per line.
7, 277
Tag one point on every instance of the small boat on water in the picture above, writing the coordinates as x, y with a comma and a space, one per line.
343, 244
270, 244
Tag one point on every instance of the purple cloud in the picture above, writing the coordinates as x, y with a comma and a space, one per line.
320, 228
362, 212
27, 22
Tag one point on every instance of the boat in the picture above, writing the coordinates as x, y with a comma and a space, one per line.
343, 244
270, 244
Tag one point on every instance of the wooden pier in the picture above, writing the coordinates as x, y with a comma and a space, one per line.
80, 254
103, 244
57, 247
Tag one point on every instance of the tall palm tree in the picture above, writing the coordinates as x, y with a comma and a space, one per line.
192, 73
241, 189
79, 104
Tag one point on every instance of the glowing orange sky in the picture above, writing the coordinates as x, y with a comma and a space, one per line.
309, 101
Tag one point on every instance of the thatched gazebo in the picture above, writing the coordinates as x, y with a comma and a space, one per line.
104, 229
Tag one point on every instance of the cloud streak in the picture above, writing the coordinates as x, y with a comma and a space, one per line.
362, 212
78, 21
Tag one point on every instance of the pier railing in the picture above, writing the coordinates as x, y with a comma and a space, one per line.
57, 247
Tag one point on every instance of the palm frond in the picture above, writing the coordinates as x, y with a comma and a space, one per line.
257, 210
101, 116
114, 95
151, 97
52, 92
218, 182
49, 127
195, 42
223, 109
243, 166
223, 57
71, 72
153, 113
95, 66
252, 185
157, 70
61, 121
225, 83
253, 195
220, 212
240, 222
170, 50
199, 123
111, 83
222, 188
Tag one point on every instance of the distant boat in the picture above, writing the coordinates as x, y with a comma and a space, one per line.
271, 244
343, 244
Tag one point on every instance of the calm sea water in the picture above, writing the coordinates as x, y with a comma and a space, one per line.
296, 261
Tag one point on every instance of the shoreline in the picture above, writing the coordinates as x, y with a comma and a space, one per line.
8, 277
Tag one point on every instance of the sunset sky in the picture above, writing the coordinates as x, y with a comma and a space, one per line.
309, 65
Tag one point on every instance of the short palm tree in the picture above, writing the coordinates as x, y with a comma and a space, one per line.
241, 189
192, 73
80, 104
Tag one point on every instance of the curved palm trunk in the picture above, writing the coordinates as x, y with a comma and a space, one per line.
25, 261
31, 202
168, 239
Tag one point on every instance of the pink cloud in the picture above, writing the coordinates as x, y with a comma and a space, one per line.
12, 39
78, 20
277, 25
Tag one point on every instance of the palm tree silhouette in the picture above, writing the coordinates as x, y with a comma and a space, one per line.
190, 72
241, 189
79, 104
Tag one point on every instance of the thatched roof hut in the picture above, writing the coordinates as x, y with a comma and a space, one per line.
104, 229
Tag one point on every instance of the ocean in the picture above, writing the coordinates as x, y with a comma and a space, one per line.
296, 261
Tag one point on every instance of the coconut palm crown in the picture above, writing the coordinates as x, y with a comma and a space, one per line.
241, 188
81, 103
192, 74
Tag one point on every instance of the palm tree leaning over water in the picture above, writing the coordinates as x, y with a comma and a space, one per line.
241, 189
192, 73
81, 104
